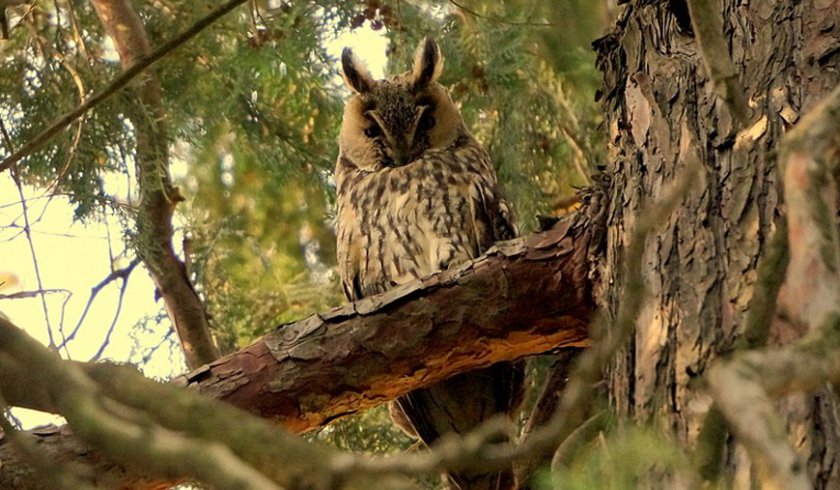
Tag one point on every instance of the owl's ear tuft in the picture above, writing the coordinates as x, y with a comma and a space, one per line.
355, 73
428, 63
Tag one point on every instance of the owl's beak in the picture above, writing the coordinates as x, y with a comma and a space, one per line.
401, 149
403, 156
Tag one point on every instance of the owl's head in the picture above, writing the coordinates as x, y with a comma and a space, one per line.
392, 122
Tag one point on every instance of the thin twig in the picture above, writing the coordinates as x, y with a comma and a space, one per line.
580, 157
147, 356
27, 230
17, 203
107, 340
33, 294
118, 83
50, 233
498, 20
94, 291
573, 445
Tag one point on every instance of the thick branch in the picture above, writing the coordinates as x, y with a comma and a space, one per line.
523, 297
158, 196
168, 432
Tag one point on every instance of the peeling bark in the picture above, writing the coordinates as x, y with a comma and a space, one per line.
158, 196
523, 297
662, 112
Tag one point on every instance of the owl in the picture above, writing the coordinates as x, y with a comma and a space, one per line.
418, 194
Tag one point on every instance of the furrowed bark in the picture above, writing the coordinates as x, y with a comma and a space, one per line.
745, 386
662, 110
523, 297
158, 196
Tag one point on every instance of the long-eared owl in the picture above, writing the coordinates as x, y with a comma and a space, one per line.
418, 194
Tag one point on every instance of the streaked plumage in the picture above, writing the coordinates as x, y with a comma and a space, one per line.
418, 194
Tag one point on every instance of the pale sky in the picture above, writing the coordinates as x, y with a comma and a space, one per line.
75, 258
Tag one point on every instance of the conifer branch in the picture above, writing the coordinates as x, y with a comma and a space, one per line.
117, 84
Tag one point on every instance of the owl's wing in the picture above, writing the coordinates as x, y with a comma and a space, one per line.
347, 257
493, 213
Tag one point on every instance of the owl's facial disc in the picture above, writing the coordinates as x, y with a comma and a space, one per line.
402, 140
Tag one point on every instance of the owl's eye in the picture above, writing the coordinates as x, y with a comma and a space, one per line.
427, 121
373, 131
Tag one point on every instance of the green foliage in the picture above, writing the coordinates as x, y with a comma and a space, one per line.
512, 94
253, 107
370, 431
626, 458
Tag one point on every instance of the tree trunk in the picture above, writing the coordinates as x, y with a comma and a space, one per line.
662, 115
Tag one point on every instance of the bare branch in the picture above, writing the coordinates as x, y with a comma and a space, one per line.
123, 274
27, 230
708, 29
113, 324
33, 294
158, 197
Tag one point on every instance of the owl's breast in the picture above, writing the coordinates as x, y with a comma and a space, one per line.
403, 223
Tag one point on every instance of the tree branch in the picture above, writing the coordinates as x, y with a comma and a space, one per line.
708, 28
523, 297
158, 196
545, 407
153, 428
117, 84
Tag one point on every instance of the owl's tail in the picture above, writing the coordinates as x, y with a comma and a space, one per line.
460, 404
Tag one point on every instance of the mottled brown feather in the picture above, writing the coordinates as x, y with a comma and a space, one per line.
418, 194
